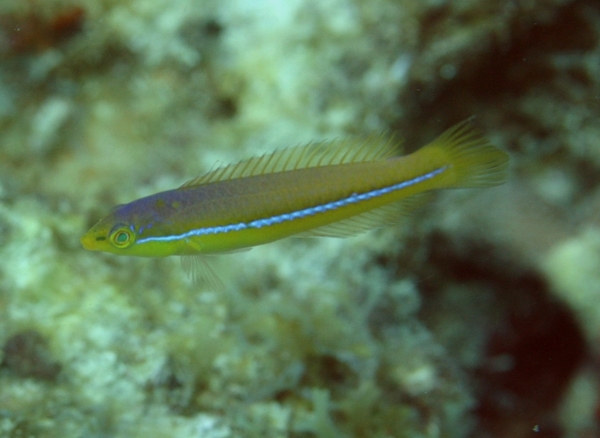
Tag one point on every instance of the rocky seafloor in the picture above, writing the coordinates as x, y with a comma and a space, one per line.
477, 316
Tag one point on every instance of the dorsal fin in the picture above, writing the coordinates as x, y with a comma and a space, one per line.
302, 157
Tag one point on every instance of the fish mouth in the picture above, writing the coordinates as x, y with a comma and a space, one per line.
89, 242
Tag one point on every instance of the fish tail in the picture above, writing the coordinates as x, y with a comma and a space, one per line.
473, 161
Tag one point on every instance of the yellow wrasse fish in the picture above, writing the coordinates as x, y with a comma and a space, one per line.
336, 188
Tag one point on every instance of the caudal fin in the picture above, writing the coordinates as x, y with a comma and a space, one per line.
473, 160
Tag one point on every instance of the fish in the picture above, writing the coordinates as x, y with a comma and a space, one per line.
335, 188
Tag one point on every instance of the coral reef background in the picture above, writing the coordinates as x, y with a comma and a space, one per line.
478, 316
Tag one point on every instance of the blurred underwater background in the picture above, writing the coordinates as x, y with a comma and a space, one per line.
477, 316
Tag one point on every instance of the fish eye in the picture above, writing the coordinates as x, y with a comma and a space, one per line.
121, 237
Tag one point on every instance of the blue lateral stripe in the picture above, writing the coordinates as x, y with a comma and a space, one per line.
273, 220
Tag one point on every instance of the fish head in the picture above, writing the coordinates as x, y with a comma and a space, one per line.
127, 230
110, 235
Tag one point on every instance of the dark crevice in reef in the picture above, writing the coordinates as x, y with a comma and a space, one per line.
533, 345
26, 355
543, 347
504, 71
